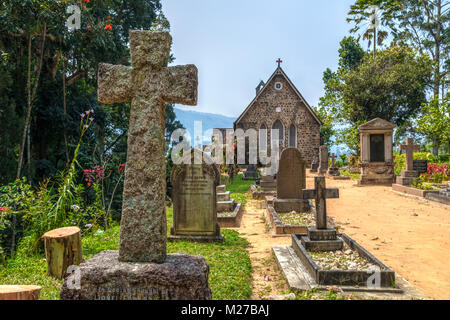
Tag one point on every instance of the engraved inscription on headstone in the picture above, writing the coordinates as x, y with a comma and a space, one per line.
194, 199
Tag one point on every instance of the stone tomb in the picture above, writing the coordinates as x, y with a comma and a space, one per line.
141, 269
291, 180
408, 175
323, 160
194, 199
377, 166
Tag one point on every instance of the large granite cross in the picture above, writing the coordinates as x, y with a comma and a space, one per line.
320, 193
148, 85
409, 148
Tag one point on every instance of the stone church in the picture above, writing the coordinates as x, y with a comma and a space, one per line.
279, 105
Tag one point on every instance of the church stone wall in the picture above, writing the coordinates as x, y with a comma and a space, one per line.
292, 111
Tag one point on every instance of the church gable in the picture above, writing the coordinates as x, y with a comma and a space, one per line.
278, 95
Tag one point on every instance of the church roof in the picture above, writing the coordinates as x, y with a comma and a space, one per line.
280, 71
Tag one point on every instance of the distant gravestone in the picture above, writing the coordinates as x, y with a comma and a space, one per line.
251, 173
408, 175
421, 166
194, 200
323, 159
291, 180
291, 177
333, 170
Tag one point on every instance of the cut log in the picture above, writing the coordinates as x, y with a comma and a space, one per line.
19, 292
62, 249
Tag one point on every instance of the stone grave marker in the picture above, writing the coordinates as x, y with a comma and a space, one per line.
421, 166
320, 237
323, 159
194, 200
291, 180
333, 170
408, 175
251, 173
141, 269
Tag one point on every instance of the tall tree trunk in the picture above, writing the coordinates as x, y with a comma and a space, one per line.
31, 97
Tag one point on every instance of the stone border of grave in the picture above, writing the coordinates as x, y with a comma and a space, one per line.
279, 229
437, 197
343, 277
260, 195
413, 191
342, 177
233, 221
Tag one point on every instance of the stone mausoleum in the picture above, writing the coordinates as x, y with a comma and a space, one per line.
279, 105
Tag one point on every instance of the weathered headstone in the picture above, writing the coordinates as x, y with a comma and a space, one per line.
320, 237
251, 173
268, 183
194, 200
291, 180
141, 269
408, 175
333, 170
323, 160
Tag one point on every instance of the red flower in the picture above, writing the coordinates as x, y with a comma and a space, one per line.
108, 27
89, 27
3, 209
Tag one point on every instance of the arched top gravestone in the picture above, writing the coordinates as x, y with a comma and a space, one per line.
291, 177
194, 198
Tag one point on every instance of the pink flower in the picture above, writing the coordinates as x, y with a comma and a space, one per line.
3, 209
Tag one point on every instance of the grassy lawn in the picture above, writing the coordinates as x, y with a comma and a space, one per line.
230, 268
240, 189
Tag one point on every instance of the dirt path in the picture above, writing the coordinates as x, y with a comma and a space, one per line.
410, 236
253, 228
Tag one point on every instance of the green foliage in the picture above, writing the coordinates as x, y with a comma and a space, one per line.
434, 121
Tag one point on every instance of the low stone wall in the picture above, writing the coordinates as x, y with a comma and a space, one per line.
260, 195
278, 227
438, 198
413, 191
233, 221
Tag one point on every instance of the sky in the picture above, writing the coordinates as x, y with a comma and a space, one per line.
235, 45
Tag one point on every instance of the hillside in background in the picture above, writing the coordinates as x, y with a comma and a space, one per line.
211, 121
208, 121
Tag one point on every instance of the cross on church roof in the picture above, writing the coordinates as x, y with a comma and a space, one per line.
279, 61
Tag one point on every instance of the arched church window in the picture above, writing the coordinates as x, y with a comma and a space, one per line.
278, 125
263, 138
293, 136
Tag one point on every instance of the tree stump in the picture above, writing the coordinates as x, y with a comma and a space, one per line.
62, 249
19, 292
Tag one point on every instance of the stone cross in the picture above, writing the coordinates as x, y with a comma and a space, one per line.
148, 85
320, 193
409, 148
333, 160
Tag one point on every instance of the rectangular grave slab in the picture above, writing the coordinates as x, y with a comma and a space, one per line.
343, 277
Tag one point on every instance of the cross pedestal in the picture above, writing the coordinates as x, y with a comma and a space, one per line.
408, 175
141, 269
320, 237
